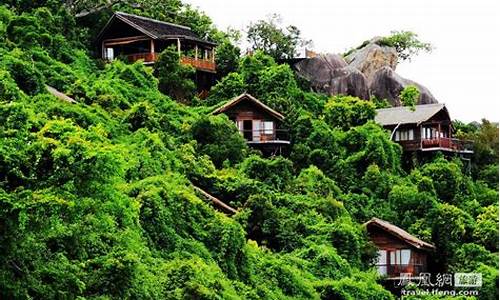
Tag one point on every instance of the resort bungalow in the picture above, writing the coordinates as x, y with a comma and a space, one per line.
398, 251
135, 38
260, 125
427, 128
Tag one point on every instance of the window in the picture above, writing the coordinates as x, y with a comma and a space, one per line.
109, 53
382, 262
400, 257
268, 127
256, 130
404, 135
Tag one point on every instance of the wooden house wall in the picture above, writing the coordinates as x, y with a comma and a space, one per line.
441, 117
386, 241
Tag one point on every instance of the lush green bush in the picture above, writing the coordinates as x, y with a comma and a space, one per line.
275, 172
96, 197
218, 138
346, 112
174, 79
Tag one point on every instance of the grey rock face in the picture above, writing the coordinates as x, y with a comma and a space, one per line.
370, 58
330, 74
387, 84
367, 71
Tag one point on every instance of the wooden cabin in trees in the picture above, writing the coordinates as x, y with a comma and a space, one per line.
399, 253
427, 128
260, 125
136, 38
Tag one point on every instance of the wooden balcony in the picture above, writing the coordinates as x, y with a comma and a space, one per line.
437, 144
276, 136
199, 64
448, 144
396, 270
149, 57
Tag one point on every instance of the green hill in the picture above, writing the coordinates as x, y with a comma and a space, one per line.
97, 198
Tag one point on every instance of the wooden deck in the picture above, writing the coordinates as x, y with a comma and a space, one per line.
436, 144
276, 136
199, 64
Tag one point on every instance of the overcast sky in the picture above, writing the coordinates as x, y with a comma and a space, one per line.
462, 71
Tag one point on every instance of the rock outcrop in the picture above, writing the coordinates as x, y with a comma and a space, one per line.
387, 84
367, 71
330, 74
371, 57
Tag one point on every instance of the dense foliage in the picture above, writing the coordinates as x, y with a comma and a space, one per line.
97, 197
274, 39
406, 43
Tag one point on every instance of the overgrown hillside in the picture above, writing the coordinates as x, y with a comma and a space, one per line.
97, 198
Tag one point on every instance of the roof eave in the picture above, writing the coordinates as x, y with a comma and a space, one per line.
105, 27
122, 18
421, 245
239, 98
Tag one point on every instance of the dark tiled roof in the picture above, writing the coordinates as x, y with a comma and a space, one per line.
404, 115
159, 29
400, 233
153, 27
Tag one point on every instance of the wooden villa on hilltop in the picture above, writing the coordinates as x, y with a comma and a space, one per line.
136, 38
427, 128
260, 125
398, 251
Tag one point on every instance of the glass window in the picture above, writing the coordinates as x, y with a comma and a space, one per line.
405, 256
109, 53
382, 262
393, 258
256, 130
404, 135
268, 127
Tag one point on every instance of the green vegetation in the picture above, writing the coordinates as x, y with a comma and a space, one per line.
174, 79
97, 197
409, 96
406, 44
274, 39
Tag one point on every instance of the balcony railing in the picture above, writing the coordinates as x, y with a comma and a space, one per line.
266, 136
146, 57
448, 143
199, 64
397, 270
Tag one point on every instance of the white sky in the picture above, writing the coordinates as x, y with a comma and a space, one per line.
462, 71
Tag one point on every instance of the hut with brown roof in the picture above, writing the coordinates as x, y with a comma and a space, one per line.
260, 125
398, 251
134, 38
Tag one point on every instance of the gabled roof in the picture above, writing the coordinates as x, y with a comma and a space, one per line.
154, 28
400, 234
251, 98
404, 114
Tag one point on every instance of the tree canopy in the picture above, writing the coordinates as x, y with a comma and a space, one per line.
274, 39
97, 197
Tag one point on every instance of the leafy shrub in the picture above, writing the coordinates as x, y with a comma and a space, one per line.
174, 79
218, 138
347, 111
276, 172
409, 96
